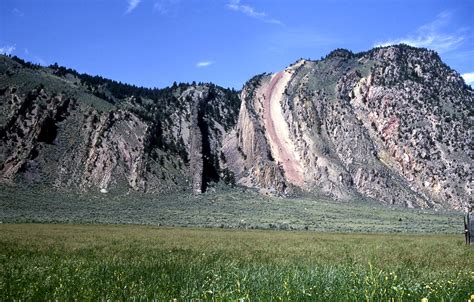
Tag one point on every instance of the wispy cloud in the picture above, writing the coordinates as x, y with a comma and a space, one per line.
7, 49
431, 36
132, 4
34, 58
299, 39
248, 10
203, 64
18, 12
39, 60
469, 78
165, 6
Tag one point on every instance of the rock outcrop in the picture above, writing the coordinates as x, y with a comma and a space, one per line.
393, 124
73, 131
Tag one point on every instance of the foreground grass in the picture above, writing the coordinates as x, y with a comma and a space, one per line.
105, 262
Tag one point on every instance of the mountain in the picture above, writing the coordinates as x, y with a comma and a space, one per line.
392, 124
71, 131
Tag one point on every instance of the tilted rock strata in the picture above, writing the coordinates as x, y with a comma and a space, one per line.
393, 124
61, 134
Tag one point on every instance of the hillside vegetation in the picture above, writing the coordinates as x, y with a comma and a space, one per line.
224, 208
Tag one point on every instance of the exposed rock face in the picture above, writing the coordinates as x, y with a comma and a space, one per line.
394, 124
70, 132
116, 149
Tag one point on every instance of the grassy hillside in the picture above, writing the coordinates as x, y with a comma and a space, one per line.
224, 208
92, 262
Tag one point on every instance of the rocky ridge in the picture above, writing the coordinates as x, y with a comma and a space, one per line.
392, 124
72, 131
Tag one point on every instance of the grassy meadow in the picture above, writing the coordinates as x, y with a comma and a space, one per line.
226, 208
67, 262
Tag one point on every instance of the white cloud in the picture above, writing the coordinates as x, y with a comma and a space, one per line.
7, 49
468, 78
40, 61
248, 10
34, 58
18, 12
132, 4
431, 36
300, 39
203, 64
165, 6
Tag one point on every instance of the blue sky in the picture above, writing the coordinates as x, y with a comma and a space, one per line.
155, 42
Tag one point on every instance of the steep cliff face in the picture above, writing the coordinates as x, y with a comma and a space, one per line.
73, 131
393, 124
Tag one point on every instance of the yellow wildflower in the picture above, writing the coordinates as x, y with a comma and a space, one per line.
424, 300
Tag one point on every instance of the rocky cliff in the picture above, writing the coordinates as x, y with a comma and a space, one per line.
394, 124
72, 131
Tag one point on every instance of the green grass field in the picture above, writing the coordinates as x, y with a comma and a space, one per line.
226, 208
137, 263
